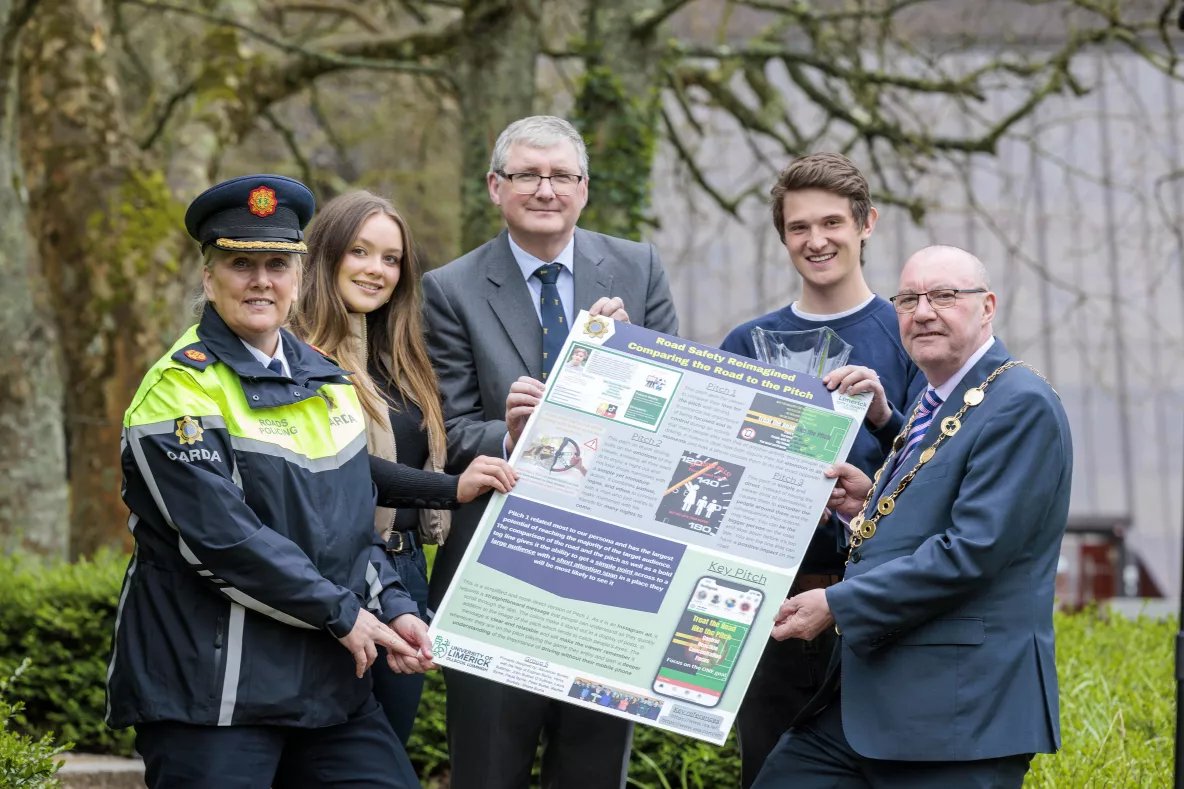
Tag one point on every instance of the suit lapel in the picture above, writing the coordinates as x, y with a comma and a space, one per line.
511, 302
885, 478
593, 279
995, 356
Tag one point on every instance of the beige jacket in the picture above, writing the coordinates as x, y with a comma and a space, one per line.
434, 525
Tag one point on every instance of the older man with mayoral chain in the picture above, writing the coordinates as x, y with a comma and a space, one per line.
945, 673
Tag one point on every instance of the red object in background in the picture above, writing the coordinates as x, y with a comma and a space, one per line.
1091, 565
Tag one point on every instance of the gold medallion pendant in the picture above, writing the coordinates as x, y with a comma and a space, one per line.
928, 454
950, 425
973, 396
867, 530
855, 523
886, 506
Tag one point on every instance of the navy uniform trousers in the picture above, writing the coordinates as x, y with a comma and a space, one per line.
361, 753
815, 754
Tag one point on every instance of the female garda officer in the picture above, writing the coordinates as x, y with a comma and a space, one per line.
252, 499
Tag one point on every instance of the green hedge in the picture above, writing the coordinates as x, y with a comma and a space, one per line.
1118, 704
1117, 690
61, 618
25, 763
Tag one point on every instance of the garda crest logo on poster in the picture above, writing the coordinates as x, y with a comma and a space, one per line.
597, 329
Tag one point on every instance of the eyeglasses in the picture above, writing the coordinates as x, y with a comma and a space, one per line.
562, 184
906, 303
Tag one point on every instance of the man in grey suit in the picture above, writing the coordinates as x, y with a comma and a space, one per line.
946, 675
496, 319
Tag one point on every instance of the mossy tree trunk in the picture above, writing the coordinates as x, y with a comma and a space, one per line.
495, 77
33, 497
617, 110
106, 226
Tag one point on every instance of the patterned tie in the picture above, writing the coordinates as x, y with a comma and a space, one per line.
551, 312
276, 366
925, 412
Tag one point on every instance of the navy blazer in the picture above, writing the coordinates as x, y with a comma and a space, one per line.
947, 638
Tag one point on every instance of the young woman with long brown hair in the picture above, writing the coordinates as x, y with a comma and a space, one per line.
361, 307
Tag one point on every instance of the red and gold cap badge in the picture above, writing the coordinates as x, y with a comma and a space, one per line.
262, 201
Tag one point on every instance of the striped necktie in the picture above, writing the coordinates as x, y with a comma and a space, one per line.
555, 327
925, 413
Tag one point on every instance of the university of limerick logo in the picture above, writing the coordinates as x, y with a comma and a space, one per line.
440, 646
188, 431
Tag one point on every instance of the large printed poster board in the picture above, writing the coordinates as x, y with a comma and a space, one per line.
667, 493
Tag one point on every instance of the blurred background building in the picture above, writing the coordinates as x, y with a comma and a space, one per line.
1080, 220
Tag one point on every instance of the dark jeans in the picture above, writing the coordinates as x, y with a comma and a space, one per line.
399, 694
816, 755
788, 675
359, 754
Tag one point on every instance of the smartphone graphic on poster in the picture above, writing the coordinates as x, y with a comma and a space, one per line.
707, 641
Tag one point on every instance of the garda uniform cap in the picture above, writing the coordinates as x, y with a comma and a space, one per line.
253, 213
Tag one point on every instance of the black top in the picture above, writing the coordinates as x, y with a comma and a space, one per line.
403, 487
411, 443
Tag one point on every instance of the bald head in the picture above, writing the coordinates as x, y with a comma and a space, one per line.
955, 261
940, 341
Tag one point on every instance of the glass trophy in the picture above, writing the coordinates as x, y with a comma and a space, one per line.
815, 352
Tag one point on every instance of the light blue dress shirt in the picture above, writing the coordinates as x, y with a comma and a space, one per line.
264, 358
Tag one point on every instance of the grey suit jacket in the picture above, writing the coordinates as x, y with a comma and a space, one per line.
483, 334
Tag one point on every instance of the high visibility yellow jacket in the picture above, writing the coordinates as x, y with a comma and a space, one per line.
252, 507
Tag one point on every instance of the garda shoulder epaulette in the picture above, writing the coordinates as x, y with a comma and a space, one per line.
195, 356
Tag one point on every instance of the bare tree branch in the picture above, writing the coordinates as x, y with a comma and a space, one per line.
329, 7
166, 112
346, 167
680, 95
685, 156
646, 22
726, 99
763, 51
803, 10
289, 138
398, 54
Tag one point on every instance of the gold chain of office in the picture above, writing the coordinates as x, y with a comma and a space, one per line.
865, 528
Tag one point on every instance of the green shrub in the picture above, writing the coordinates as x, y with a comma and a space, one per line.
1116, 680
1118, 704
24, 762
61, 616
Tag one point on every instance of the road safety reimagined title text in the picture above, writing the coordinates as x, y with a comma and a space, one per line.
714, 362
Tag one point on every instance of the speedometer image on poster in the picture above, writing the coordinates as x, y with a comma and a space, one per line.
699, 493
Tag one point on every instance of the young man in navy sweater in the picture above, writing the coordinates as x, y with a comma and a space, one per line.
823, 213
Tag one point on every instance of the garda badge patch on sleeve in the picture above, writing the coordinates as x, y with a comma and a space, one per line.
188, 431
